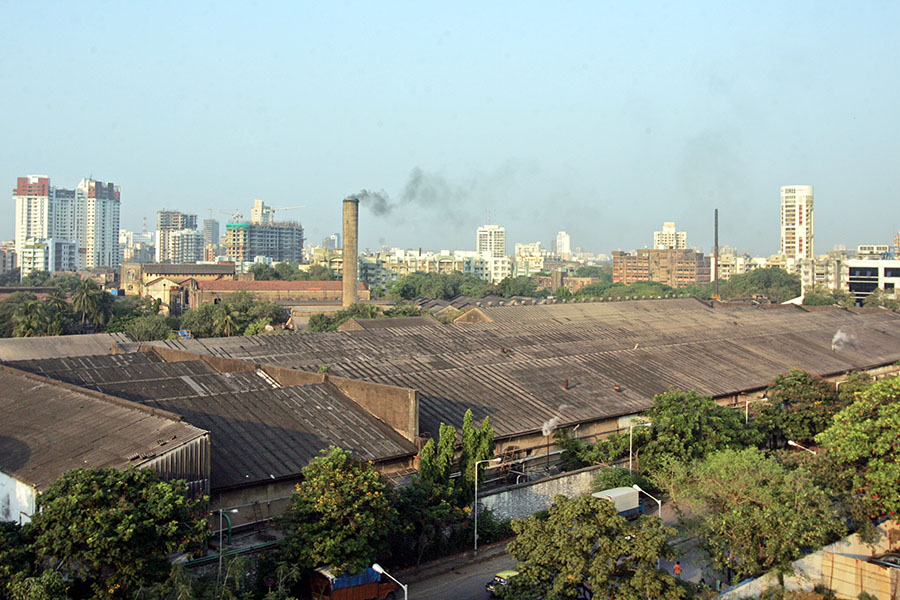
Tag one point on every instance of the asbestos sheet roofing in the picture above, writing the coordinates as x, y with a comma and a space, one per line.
48, 428
515, 369
259, 430
59, 345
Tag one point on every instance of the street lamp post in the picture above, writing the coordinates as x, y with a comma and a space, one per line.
631, 427
222, 514
478, 462
796, 445
639, 489
747, 406
380, 570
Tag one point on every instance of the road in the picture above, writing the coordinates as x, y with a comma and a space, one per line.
465, 583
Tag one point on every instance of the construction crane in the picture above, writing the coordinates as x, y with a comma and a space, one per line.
265, 215
236, 216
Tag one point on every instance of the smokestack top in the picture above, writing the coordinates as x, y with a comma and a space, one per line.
351, 199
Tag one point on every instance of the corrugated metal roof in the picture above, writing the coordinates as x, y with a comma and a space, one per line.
258, 429
47, 428
58, 346
513, 368
187, 269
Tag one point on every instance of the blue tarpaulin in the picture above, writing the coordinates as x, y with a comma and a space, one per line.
345, 581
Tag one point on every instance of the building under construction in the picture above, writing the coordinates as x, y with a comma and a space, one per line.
279, 241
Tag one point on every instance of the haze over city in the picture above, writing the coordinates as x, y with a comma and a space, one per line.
602, 120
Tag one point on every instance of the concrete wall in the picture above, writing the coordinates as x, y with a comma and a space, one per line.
523, 500
396, 406
809, 570
16, 498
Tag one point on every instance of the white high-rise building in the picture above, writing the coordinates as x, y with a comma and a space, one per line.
87, 216
797, 222
564, 245
669, 238
182, 246
98, 228
492, 240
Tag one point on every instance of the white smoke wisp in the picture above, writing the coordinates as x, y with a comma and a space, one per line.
841, 340
550, 426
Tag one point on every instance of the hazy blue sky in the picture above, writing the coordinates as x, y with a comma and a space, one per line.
603, 119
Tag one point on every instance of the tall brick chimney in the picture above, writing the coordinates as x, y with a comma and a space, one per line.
350, 251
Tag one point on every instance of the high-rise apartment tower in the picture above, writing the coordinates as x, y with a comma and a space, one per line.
797, 221
669, 238
86, 218
492, 240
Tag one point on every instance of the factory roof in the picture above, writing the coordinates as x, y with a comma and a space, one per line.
187, 269
514, 367
390, 322
274, 285
48, 427
57, 346
259, 429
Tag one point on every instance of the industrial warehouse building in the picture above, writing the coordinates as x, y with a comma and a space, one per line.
270, 403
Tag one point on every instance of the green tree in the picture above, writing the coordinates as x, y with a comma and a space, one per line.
226, 320
756, 515
863, 438
583, 542
603, 272
148, 328
425, 510
263, 272
30, 320
331, 321
562, 293
36, 279
200, 321
436, 460
10, 278
16, 557
87, 300
773, 283
854, 383
477, 445
49, 585
405, 309
113, 529
8, 308
686, 426
800, 406
57, 300
320, 273
339, 516
518, 286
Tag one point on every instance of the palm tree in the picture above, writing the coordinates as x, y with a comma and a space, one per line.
86, 299
57, 300
30, 320
226, 320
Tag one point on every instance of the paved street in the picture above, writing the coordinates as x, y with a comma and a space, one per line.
465, 583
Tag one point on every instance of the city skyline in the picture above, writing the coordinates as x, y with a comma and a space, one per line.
546, 118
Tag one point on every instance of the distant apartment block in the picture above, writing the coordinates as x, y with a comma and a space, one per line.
528, 259
864, 276
675, 268
331, 242
279, 241
48, 255
797, 224
564, 245
175, 220
669, 238
167, 222
491, 239
181, 246
8, 259
86, 217
210, 232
